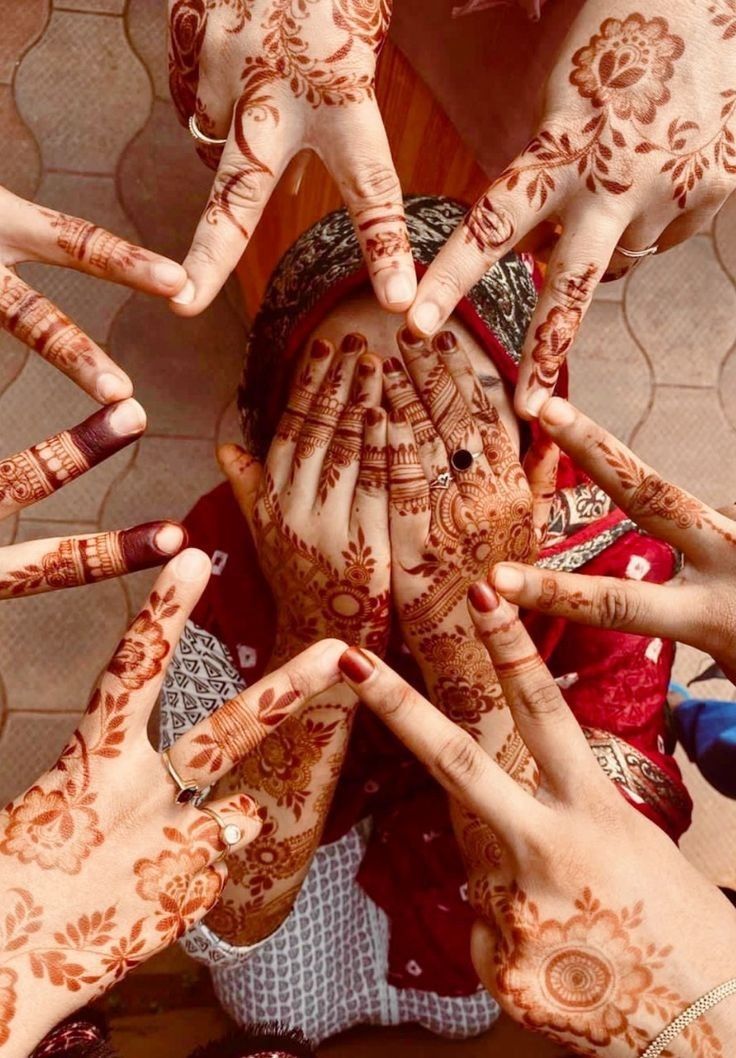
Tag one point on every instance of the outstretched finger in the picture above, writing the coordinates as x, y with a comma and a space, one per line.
606, 602
519, 200
403, 400
409, 490
244, 472
308, 380
37, 472
211, 748
131, 683
370, 503
542, 717
453, 757
250, 167
36, 321
575, 269
656, 505
540, 466
68, 562
357, 154
59, 239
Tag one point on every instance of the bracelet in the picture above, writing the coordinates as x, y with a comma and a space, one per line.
658, 1045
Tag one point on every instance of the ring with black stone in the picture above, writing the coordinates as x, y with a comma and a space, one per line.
463, 459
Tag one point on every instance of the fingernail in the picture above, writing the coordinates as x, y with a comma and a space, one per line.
506, 578
112, 387
374, 416
482, 597
408, 337
392, 366
427, 317
167, 273
352, 343
356, 665
186, 295
399, 289
128, 418
445, 342
557, 412
170, 539
190, 565
398, 417
536, 400
320, 349
366, 369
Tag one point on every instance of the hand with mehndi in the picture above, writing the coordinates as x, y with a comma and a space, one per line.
593, 929
26, 478
29, 232
698, 606
100, 867
273, 78
635, 149
318, 510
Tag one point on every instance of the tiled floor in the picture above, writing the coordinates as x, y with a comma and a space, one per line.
656, 362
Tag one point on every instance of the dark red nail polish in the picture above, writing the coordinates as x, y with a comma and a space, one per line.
374, 416
320, 349
482, 597
352, 343
138, 545
392, 366
356, 665
445, 342
366, 369
96, 438
408, 337
398, 417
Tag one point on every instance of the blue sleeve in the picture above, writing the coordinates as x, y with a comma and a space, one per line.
707, 732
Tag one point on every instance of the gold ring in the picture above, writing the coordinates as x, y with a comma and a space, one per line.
188, 791
230, 833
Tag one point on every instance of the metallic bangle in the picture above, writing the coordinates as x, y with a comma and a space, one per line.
700, 1007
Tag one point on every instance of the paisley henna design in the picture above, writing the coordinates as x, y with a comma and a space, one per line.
84, 560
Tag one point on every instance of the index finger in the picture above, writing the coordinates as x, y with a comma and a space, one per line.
452, 756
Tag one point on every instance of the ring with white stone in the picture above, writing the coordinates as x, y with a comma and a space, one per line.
230, 833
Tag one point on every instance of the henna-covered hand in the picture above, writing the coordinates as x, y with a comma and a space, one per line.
29, 232
46, 565
698, 606
319, 516
636, 147
100, 868
577, 936
276, 77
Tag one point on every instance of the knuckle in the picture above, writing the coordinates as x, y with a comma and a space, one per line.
242, 189
398, 700
572, 290
616, 605
375, 182
203, 253
458, 760
447, 283
544, 700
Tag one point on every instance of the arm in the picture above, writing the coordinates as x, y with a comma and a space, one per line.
318, 514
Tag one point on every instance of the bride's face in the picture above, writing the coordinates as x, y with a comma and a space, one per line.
364, 315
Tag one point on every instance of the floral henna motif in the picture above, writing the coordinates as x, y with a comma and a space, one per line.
589, 978
33, 320
140, 655
488, 225
556, 333
8, 997
723, 15
180, 883
465, 684
387, 243
552, 595
344, 451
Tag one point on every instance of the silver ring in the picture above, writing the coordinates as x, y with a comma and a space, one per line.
188, 791
463, 459
199, 135
442, 481
230, 833
636, 255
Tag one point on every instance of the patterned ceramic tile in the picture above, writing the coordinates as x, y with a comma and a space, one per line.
101, 7
83, 68
724, 230
90, 302
727, 387
146, 24
43, 529
29, 745
22, 23
610, 291
685, 437
682, 308
38, 404
8, 529
54, 646
147, 340
163, 184
13, 356
20, 168
610, 378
